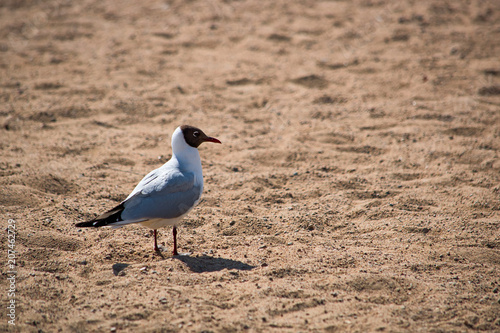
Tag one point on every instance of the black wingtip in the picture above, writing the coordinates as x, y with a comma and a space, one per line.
110, 217
86, 224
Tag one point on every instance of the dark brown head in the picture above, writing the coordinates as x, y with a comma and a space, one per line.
195, 136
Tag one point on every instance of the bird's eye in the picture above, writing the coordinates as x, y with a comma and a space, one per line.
196, 134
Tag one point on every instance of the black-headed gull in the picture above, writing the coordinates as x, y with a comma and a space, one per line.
166, 194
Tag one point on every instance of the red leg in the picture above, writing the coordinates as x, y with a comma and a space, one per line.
174, 232
156, 244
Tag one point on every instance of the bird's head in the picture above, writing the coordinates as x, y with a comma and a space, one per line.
195, 136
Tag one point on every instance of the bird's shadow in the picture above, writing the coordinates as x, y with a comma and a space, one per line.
211, 264
118, 267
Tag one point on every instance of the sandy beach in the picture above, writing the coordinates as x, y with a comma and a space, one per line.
357, 187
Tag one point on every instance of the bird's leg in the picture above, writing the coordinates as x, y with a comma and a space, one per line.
156, 244
174, 233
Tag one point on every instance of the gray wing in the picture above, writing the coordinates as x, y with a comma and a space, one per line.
166, 194
144, 182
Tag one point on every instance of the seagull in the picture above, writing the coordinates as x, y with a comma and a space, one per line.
166, 194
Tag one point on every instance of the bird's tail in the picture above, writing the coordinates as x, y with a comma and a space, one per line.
110, 217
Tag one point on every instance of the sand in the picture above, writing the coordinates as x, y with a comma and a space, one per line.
357, 188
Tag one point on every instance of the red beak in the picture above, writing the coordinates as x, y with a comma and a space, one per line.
210, 139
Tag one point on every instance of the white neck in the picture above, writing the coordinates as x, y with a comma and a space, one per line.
187, 156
